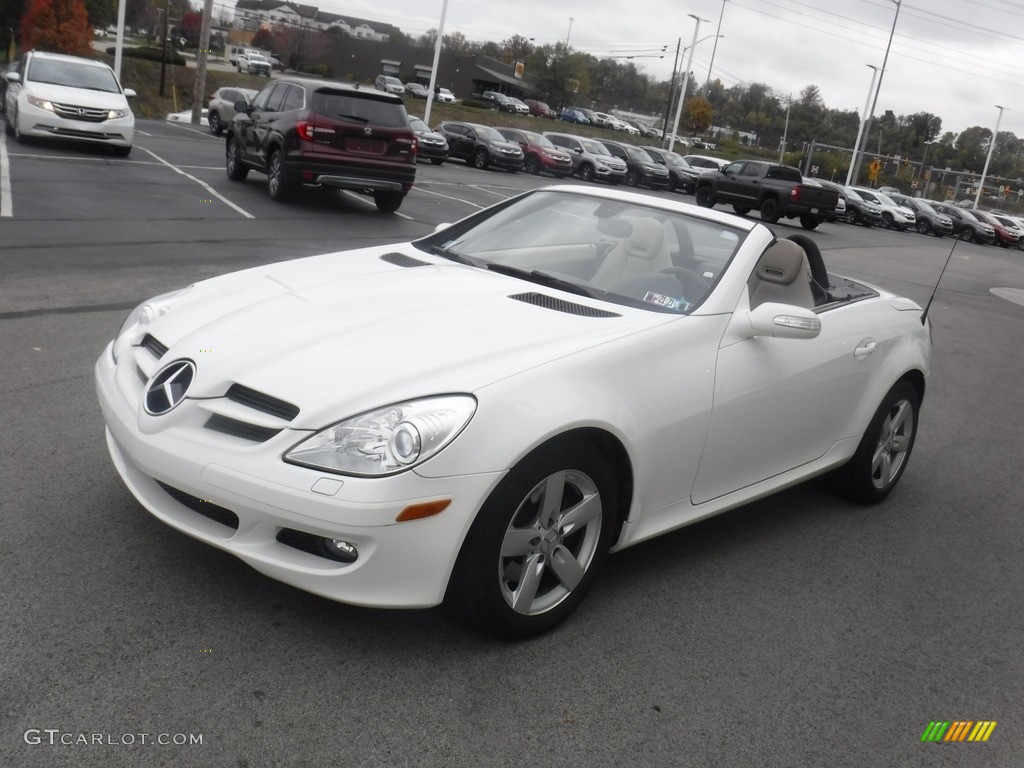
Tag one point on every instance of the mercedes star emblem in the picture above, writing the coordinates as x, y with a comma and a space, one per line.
168, 387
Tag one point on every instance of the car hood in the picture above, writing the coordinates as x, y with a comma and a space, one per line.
80, 97
342, 333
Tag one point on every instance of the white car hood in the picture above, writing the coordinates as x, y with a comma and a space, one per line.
343, 333
80, 97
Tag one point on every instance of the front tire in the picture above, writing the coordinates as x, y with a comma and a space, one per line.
437, 160
704, 197
922, 226
884, 449
538, 542
967, 235
633, 179
532, 165
480, 160
741, 210
587, 172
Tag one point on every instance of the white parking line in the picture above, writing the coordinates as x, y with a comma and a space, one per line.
201, 183
6, 209
449, 197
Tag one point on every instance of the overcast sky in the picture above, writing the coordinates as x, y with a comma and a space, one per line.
957, 59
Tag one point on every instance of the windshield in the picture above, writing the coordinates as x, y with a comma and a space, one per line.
72, 74
637, 154
418, 125
487, 133
595, 147
852, 194
624, 252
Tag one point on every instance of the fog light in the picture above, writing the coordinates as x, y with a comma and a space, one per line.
336, 549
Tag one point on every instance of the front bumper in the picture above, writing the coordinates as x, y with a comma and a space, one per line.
34, 121
176, 471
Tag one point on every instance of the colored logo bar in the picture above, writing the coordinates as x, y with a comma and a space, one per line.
958, 730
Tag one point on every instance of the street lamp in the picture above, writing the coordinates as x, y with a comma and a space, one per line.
686, 77
988, 158
718, 34
871, 114
785, 131
855, 160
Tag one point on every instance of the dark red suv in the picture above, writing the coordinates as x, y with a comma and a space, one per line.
327, 134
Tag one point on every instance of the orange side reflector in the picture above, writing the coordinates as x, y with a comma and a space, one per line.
419, 511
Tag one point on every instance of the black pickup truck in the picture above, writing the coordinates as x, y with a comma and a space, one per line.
773, 189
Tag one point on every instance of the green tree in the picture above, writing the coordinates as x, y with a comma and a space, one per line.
61, 26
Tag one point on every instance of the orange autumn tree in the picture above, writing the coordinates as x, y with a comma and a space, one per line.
61, 26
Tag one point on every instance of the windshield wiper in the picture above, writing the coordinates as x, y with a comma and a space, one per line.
452, 255
542, 278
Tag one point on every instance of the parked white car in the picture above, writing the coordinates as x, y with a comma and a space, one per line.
893, 216
51, 95
481, 415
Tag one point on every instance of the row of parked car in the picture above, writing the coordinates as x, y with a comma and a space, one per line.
561, 154
875, 207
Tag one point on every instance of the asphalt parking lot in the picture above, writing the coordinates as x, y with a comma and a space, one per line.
801, 630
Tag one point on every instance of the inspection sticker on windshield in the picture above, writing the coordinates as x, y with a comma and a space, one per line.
669, 302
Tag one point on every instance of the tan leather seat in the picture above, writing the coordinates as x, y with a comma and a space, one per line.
781, 276
641, 252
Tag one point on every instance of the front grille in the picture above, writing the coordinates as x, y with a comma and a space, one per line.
86, 114
240, 429
205, 508
560, 305
155, 347
262, 402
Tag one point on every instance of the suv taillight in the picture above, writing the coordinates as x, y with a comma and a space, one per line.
305, 130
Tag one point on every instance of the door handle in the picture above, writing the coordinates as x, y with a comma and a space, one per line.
865, 348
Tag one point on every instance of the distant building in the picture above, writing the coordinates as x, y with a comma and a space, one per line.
253, 14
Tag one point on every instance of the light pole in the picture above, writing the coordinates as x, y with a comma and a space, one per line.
855, 160
686, 78
785, 131
988, 157
871, 114
718, 34
571, 20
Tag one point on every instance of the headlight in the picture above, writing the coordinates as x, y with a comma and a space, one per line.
387, 440
116, 114
143, 315
35, 101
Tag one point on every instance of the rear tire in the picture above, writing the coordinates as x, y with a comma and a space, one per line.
216, 126
741, 210
388, 202
236, 170
538, 542
279, 185
809, 221
770, 210
884, 449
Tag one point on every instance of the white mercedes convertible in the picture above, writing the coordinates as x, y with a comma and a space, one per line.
482, 415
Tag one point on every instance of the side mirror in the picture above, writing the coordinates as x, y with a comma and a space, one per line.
13, 77
130, 93
241, 106
783, 321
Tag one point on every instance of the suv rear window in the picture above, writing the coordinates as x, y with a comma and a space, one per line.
363, 108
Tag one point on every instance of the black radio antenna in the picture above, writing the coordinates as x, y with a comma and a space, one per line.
924, 315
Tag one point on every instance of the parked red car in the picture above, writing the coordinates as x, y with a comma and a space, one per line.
539, 153
540, 109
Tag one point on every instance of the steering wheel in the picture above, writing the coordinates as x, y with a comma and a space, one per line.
689, 279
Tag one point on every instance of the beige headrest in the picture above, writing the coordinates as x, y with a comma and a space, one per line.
646, 240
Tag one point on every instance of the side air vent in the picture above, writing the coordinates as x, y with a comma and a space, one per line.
240, 429
262, 402
560, 305
205, 508
155, 348
401, 260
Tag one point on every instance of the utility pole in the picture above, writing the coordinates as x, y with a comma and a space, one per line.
199, 97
